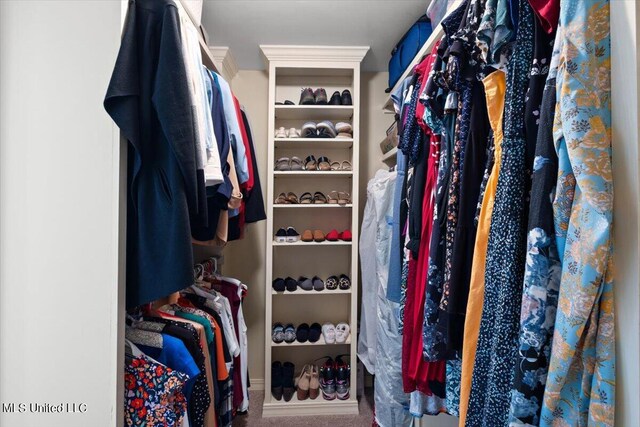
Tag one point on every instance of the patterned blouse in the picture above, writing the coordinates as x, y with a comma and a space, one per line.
153, 394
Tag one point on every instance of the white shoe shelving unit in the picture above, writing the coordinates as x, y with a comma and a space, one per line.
292, 68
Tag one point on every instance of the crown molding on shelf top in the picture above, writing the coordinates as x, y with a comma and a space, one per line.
224, 61
300, 53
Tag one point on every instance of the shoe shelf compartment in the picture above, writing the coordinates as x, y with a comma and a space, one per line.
308, 344
313, 143
312, 293
312, 205
309, 407
290, 69
314, 112
319, 244
312, 173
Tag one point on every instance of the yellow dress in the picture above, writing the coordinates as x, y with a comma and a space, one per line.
494, 86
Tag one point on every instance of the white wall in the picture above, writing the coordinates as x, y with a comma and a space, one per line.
245, 259
624, 85
58, 209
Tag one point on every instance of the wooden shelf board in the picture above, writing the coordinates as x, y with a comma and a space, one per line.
308, 407
312, 205
318, 244
312, 292
314, 112
308, 344
390, 156
308, 143
311, 173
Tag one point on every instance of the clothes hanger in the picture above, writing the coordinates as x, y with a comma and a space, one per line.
198, 271
130, 319
128, 351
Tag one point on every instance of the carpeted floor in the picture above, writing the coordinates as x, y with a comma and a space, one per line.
254, 417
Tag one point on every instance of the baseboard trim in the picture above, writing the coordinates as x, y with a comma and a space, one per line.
256, 384
319, 406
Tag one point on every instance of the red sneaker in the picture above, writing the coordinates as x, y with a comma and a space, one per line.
346, 235
332, 236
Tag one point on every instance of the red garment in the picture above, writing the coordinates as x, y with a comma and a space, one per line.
418, 372
548, 12
245, 141
183, 302
408, 381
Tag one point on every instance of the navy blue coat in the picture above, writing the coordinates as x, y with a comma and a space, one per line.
149, 100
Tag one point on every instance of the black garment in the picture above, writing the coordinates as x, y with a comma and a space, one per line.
228, 357
254, 203
200, 302
463, 42
450, 24
416, 194
148, 98
235, 228
451, 321
542, 50
200, 398
433, 96
404, 207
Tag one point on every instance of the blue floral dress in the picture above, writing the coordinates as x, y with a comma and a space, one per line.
542, 273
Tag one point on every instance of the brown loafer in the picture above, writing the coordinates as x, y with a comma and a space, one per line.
307, 236
318, 236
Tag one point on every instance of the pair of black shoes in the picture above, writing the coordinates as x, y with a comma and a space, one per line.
288, 235
309, 97
319, 97
344, 99
305, 333
282, 385
280, 284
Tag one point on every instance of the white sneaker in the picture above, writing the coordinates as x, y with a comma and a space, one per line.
329, 333
281, 133
342, 332
294, 133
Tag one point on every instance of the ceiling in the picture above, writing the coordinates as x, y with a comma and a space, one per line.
243, 25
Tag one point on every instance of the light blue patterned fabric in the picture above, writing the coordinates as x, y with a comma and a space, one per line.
498, 339
581, 382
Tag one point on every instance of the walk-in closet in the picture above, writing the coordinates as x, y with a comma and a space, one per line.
246, 213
